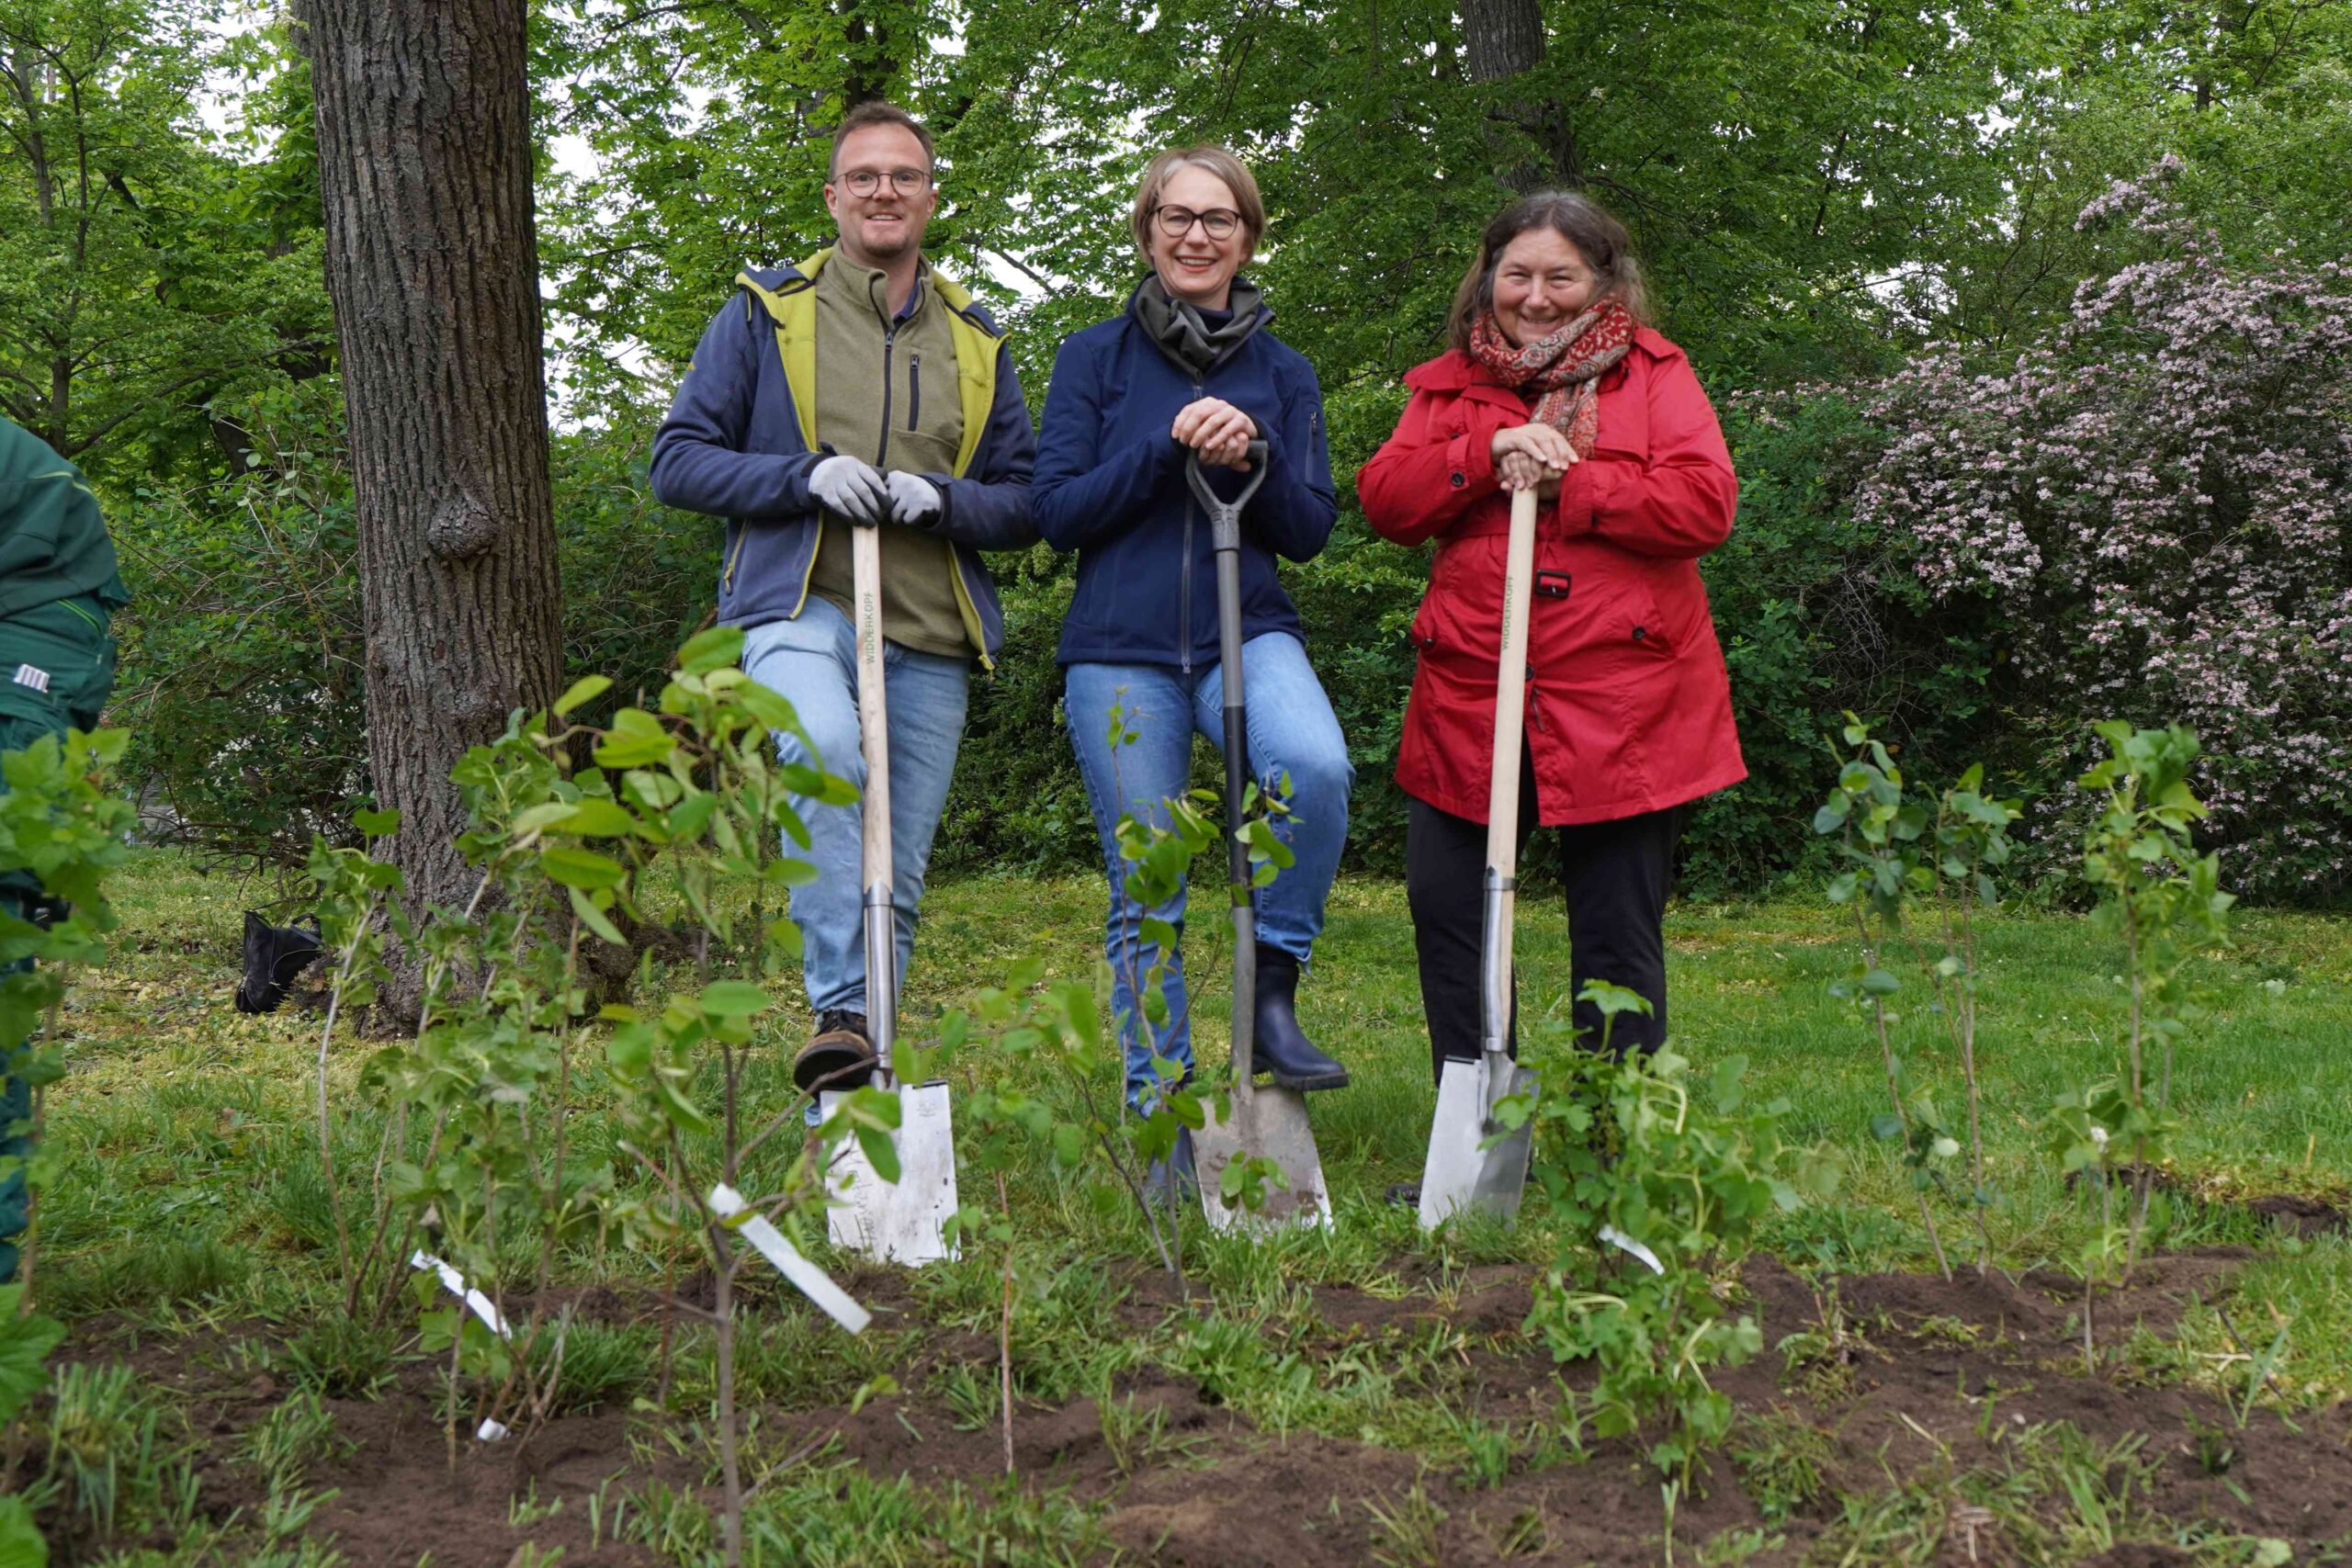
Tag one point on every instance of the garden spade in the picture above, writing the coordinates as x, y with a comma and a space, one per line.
903, 1221
1259, 1123
1469, 1166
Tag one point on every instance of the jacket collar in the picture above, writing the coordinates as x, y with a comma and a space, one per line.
1454, 371
769, 284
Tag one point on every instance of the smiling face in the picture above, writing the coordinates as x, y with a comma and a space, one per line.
878, 228
1195, 266
1542, 280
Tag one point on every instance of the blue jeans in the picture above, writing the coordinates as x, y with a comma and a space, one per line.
812, 661
1292, 731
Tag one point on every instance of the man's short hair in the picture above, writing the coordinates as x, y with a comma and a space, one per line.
878, 111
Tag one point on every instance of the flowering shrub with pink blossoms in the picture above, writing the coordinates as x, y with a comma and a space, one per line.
2158, 497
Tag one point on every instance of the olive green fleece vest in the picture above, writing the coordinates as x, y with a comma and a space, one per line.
887, 393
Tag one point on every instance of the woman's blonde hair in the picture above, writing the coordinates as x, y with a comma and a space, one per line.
1580, 220
1215, 161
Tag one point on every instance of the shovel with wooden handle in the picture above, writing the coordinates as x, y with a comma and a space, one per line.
1261, 1123
1469, 1166
903, 1221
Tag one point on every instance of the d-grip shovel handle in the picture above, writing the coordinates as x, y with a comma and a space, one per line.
1224, 517
1225, 537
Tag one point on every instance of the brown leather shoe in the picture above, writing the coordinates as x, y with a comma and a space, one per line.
839, 1055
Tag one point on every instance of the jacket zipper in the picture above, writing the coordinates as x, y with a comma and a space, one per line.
1184, 584
914, 391
882, 454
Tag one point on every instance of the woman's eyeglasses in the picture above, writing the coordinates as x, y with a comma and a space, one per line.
1176, 221
906, 182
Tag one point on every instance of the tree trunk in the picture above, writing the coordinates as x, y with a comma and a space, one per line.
425, 174
1503, 37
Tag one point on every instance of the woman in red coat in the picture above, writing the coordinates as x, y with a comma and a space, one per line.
1556, 382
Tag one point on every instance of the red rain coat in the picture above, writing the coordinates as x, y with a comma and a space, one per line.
1628, 702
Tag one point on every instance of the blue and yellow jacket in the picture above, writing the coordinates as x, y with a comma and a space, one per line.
741, 440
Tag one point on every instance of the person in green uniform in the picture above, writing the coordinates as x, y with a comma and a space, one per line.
58, 590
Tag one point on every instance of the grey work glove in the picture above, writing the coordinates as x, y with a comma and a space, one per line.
914, 500
850, 489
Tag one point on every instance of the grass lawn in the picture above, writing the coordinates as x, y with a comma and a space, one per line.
186, 1239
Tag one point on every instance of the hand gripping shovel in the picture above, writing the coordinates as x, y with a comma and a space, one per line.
1462, 1171
1261, 1124
903, 1221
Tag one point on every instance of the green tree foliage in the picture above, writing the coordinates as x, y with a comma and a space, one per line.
144, 269
1818, 189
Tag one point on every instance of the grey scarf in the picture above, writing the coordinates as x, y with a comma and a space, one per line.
1185, 337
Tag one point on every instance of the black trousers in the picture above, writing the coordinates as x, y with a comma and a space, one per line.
1616, 875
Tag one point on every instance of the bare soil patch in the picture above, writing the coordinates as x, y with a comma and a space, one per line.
1903, 1380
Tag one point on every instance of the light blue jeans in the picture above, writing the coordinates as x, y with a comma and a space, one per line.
812, 661
1292, 731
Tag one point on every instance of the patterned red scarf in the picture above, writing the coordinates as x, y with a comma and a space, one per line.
1563, 367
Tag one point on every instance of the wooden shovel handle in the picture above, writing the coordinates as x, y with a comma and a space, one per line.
873, 739
1510, 689
873, 711
1500, 900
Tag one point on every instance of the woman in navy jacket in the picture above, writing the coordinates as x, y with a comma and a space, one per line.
1189, 368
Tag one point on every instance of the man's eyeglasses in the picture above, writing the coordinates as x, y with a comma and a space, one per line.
906, 182
1218, 221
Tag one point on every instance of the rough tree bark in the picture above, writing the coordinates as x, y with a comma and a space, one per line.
1502, 38
425, 172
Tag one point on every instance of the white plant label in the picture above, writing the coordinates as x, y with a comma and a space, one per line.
1624, 1242
804, 1276
481, 1306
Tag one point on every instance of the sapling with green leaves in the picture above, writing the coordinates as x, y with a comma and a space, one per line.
1911, 876
472, 1163
2097, 1132
574, 826
691, 798
1162, 858
1059, 1034
2162, 899
62, 826
26, 1340
1667, 1183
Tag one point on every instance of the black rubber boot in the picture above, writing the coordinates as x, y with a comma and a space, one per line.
839, 1055
1281, 1047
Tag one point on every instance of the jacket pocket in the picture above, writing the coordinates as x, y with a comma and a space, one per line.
914, 391
1423, 631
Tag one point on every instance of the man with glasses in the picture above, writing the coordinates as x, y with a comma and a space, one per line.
859, 389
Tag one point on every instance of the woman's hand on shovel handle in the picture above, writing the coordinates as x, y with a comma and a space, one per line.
1532, 456
1214, 428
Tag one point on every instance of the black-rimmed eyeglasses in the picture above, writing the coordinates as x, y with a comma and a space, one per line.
1218, 221
906, 182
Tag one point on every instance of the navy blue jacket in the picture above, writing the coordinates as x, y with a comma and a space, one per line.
734, 447
1109, 484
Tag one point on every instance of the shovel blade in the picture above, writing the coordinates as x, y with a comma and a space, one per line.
903, 1221
1462, 1173
1270, 1123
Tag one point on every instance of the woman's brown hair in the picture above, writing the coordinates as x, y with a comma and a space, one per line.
1216, 161
1584, 224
